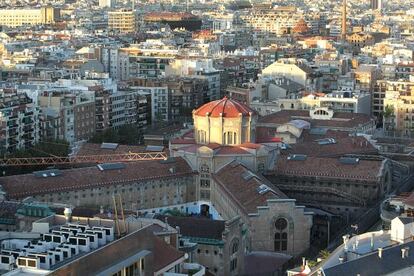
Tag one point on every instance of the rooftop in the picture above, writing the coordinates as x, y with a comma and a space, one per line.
246, 188
20, 186
224, 108
339, 119
311, 166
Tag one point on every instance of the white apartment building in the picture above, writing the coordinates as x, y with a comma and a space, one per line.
199, 68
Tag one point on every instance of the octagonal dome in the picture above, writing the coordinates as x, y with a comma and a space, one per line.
225, 107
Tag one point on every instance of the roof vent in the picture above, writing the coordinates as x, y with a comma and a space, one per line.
297, 157
262, 189
154, 148
111, 166
247, 175
111, 146
349, 160
169, 160
326, 141
48, 173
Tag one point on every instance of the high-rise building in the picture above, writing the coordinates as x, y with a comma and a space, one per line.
121, 21
19, 124
376, 4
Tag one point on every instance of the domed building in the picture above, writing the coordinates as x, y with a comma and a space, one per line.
225, 122
229, 156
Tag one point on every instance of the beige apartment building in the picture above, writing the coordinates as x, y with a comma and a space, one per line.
20, 17
122, 21
401, 117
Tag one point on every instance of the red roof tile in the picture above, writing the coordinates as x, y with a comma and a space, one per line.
231, 150
244, 192
225, 107
181, 141
19, 186
329, 168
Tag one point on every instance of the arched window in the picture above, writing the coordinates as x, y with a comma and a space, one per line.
201, 136
229, 138
281, 235
234, 247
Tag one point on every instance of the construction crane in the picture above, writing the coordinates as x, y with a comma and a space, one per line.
106, 158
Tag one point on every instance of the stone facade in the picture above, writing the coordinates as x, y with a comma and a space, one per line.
135, 195
262, 229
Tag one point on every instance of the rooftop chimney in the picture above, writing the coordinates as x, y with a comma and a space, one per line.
380, 252
372, 241
404, 252
68, 214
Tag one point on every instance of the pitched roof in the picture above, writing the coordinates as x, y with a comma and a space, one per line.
196, 227
164, 254
242, 188
96, 149
343, 145
329, 167
19, 186
372, 265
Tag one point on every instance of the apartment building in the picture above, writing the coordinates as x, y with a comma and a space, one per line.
20, 17
122, 21
383, 88
198, 68
19, 121
174, 97
75, 111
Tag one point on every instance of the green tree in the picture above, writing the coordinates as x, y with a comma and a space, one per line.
388, 111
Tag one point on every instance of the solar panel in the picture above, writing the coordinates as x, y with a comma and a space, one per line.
48, 173
297, 157
111, 146
111, 166
349, 160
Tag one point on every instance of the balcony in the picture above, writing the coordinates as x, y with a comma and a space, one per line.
188, 269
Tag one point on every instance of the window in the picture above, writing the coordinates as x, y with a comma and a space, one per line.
204, 182
201, 134
281, 234
234, 247
229, 138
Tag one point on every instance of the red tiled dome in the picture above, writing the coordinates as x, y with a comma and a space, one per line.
227, 107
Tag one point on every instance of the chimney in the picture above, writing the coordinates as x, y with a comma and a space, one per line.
101, 210
404, 252
341, 260
380, 252
68, 214
372, 241
346, 239
303, 261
